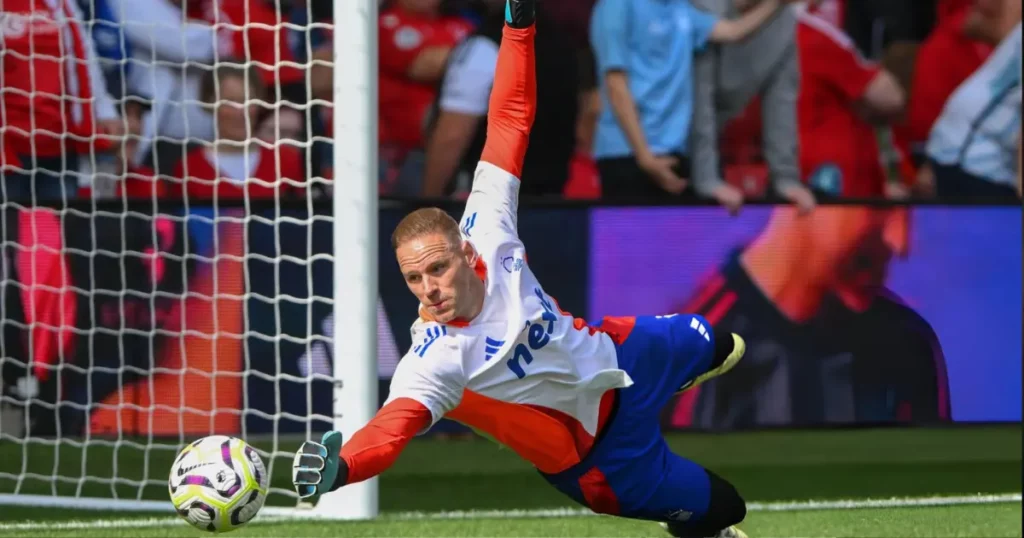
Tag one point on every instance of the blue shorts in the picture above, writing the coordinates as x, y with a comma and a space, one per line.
630, 471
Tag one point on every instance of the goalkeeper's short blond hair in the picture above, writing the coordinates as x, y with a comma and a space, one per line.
426, 221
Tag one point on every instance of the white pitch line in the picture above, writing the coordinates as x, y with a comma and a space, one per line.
893, 502
279, 515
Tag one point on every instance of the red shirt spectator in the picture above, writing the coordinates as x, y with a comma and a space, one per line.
405, 96
944, 61
205, 174
838, 149
225, 170
947, 9
51, 86
261, 174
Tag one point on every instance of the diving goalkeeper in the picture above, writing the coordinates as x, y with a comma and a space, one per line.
492, 349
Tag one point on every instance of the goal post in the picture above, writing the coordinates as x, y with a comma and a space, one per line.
131, 327
355, 239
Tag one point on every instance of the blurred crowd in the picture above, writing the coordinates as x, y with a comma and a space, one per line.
727, 100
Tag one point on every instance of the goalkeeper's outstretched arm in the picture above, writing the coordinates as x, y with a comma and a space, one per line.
376, 446
513, 104
326, 466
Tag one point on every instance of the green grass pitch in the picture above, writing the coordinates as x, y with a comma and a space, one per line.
434, 478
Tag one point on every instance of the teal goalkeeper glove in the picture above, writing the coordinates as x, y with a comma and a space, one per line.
317, 465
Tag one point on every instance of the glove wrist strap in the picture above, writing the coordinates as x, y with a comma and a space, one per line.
342, 477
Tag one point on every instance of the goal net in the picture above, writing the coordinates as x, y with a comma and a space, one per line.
181, 281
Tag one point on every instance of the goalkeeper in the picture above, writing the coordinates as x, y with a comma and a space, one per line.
493, 350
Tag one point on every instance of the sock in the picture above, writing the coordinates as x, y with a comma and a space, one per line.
726, 508
724, 344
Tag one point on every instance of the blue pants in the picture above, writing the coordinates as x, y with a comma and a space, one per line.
630, 471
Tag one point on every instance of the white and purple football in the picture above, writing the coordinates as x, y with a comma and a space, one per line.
218, 483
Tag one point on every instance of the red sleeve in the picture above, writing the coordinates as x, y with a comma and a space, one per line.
377, 445
513, 103
830, 57
400, 43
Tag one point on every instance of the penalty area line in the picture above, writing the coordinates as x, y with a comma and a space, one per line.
278, 515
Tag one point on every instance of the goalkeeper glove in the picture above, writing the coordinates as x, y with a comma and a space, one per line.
520, 13
318, 467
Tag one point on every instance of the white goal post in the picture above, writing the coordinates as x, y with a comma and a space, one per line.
158, 393
355, 237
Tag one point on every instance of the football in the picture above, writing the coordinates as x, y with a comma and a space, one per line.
218, 483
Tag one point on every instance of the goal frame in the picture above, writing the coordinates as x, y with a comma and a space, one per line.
355, 230
355, 235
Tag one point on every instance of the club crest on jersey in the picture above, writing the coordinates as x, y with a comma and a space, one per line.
512, 264
433, 333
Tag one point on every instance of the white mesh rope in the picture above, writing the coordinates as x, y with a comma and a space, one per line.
140, 312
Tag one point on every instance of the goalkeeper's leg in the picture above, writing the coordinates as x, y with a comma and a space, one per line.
513, 103
630, 471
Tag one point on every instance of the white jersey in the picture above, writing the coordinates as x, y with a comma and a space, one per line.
980, 124
521, 363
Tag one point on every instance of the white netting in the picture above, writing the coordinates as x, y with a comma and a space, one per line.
180, 283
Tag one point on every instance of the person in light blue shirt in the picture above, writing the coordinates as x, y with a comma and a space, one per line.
974, 146
644, 53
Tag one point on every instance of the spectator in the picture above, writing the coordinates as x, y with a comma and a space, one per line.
169, 48
889, 31
415, 40
238, 165
974, 147
174, 42
98, 177
255, 31
459, 123
315, 45
572, 17
584, 180
312, 43
54, 99
727, 78
275, 127
946, 58
644, 51
112, 48
844, 98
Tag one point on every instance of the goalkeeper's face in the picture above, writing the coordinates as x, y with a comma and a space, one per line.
439, 271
